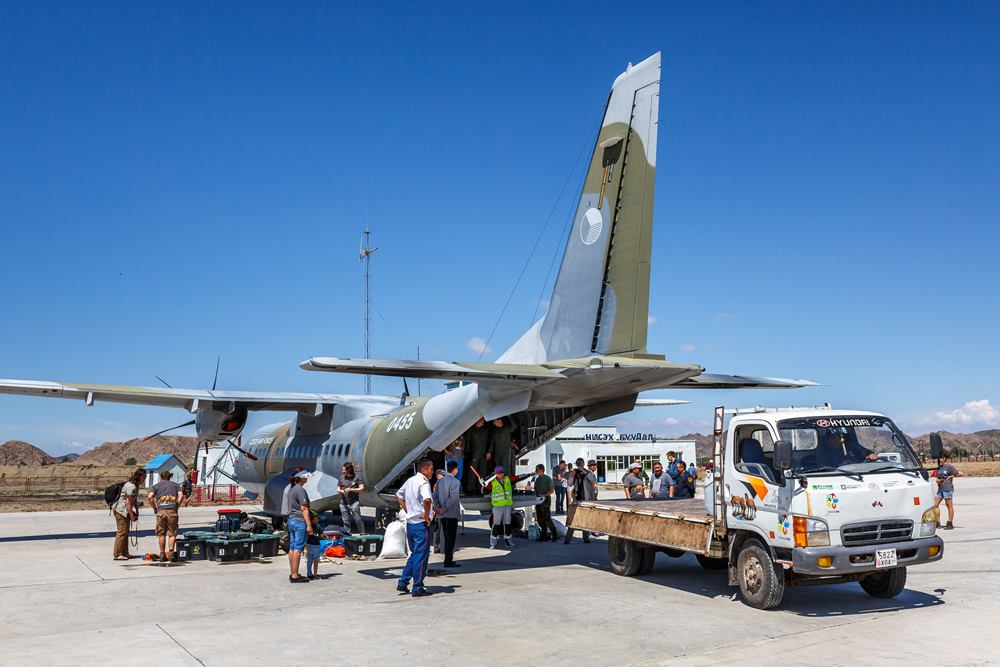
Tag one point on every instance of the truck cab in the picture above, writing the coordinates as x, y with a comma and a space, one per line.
832, 495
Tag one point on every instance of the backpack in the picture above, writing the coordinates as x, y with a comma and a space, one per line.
112, 494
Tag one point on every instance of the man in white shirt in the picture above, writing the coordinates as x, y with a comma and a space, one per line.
415, 500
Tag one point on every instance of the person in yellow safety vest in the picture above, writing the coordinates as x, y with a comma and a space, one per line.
502, 498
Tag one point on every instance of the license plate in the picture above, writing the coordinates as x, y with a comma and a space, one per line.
885, 558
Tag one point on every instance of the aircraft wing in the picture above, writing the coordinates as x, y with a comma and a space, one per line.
712, 381
188, 399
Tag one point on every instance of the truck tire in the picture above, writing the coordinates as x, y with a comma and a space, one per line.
646, 561
625, 556
886, 584
673, 553
761, 580
712, 563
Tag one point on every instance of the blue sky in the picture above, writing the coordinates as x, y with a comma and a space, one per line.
180, 181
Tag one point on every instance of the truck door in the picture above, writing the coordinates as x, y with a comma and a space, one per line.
752, 490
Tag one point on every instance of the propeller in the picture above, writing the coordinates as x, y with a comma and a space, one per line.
215, 382
167, 430
406, 393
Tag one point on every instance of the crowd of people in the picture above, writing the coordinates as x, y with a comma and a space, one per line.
677, 480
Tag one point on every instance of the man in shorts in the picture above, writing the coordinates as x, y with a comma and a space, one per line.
165, 497
946, 472
299, 524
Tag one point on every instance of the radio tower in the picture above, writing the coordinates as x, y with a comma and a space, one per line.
366, 258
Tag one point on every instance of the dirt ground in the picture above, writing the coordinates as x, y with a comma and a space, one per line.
979, 468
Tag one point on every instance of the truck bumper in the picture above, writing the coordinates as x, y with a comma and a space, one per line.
858, 560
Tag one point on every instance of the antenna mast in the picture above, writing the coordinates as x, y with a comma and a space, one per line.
366, 258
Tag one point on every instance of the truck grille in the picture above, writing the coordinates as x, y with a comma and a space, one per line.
878, 532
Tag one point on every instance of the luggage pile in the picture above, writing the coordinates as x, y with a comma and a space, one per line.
227, 543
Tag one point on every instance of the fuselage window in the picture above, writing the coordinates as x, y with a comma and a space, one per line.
347, 450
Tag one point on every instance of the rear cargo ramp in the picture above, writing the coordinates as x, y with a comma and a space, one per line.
675, 524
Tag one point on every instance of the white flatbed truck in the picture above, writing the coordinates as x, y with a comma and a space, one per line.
797, 496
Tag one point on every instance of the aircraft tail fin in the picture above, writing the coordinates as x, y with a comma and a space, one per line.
600, 302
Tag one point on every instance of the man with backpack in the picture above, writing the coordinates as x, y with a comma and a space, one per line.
122, 501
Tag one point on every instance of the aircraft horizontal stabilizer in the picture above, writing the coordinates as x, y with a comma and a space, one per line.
712, 381
658, 402
435, 370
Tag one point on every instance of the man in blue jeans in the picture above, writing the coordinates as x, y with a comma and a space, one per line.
299, 524
415, 500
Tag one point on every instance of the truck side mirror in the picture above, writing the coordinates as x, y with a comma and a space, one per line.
783, 455
936, 445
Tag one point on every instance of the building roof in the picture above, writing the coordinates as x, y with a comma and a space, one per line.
160, 461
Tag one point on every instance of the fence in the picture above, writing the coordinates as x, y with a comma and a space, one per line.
45, 485
94, 487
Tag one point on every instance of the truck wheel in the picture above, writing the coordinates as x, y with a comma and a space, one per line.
625, 556
762, 582
673, 553
646, 561
887, 584
712, 563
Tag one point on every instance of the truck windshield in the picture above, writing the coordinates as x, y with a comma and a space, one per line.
859, 444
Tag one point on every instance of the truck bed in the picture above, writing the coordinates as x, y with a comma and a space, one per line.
674, 524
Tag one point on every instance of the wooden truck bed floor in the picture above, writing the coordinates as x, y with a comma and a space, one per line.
676, 524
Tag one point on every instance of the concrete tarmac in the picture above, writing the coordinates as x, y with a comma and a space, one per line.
64, 601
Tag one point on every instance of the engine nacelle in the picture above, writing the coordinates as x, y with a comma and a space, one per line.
216, 425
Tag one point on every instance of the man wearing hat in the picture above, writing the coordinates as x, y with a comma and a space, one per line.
502, 499
634, 487
299, 524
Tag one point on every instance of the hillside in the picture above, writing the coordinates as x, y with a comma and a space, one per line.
17, 452
116, 453
965, 444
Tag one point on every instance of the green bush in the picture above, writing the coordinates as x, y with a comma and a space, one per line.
130, 462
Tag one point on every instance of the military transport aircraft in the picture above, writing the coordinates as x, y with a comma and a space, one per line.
585, 358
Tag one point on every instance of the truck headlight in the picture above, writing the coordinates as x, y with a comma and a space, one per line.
810, 532
928, 523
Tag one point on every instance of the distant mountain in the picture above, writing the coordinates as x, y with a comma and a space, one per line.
67, 458
17, 452
980, 442
966, 444
117, 453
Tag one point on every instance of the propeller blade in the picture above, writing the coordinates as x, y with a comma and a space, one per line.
167, 430
215, 381
241, 450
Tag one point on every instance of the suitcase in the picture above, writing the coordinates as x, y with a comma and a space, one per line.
368, 546
228, 521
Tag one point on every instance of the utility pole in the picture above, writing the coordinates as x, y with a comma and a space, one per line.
366, 258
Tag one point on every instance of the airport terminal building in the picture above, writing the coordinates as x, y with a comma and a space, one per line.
612, 450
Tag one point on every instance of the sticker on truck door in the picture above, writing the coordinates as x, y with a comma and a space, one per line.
885, 558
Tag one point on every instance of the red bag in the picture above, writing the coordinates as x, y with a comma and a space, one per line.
336, 552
